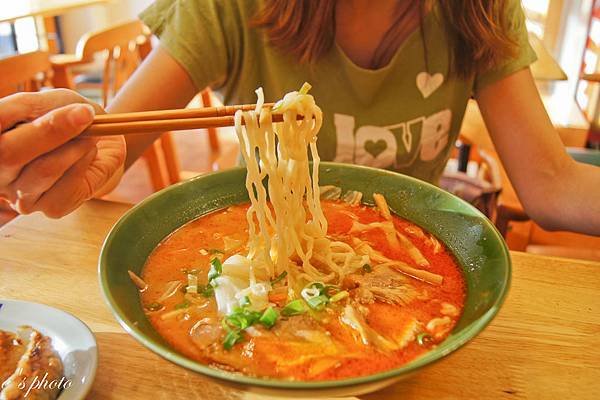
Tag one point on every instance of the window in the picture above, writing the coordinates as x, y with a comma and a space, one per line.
536, 12
7, 39
19, 36
26, 32
588, 89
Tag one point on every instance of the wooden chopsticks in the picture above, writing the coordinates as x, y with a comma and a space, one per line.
168, 120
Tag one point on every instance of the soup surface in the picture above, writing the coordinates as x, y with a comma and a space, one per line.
378, 318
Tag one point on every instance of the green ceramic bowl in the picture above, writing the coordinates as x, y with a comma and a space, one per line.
472, 238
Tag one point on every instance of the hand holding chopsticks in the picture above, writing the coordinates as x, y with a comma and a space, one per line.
168, 120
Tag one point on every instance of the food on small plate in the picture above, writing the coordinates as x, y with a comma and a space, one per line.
31, 369
11, 350
302, 283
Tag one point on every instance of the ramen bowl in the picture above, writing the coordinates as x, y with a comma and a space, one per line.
470, 236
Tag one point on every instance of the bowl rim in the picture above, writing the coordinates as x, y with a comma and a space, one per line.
433, 356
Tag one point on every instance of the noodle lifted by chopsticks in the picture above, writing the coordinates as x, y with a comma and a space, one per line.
291, 236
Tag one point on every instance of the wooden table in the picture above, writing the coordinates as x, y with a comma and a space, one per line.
41, 8
544, 344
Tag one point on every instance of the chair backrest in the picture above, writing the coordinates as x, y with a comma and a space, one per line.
477, 162
124, 46
24, 72
474, 175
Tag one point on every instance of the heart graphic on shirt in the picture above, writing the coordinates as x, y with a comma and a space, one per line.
427, 84
375, 148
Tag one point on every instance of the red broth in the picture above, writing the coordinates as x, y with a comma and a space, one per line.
310, 347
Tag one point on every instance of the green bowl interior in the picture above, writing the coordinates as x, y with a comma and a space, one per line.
475, 242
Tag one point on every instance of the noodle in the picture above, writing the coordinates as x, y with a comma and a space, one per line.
290, 236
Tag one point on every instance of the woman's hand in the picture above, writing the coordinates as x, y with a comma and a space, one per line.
44, 165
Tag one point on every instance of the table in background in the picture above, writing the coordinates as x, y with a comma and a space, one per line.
545, 342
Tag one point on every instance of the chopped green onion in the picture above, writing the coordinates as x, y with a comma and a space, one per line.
424, 339
309, 293
226, 327
252, 317
245, 301
318, 303
216, 269
339, 296
316, 285
154, 306
239, 320
206, 291
294, 308
305, 88
367, 268
179, 306
323, 289
242, 318
269, 317
236, 320
279, 278
231, 338
215, 251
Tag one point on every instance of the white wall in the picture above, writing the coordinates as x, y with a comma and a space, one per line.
78, 22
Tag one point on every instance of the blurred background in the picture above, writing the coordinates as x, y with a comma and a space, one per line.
564, 33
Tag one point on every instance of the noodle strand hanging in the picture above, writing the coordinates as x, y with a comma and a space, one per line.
291, 235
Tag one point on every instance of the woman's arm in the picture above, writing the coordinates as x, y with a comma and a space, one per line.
159, 83
557, 192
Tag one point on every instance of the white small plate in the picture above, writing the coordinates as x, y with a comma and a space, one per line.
71, 338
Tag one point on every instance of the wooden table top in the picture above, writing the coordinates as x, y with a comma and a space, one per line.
12, 10
544, 344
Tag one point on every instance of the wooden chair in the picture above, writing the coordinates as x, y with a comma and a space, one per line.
22, 73
473, 175
124, 46
25, 73
121, 46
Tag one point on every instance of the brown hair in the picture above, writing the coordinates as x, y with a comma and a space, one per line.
478, 31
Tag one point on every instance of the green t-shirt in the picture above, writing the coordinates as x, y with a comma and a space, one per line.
404, 117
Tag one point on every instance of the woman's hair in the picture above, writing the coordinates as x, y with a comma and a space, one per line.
479, 34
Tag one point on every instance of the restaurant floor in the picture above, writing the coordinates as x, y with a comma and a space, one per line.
194, 155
